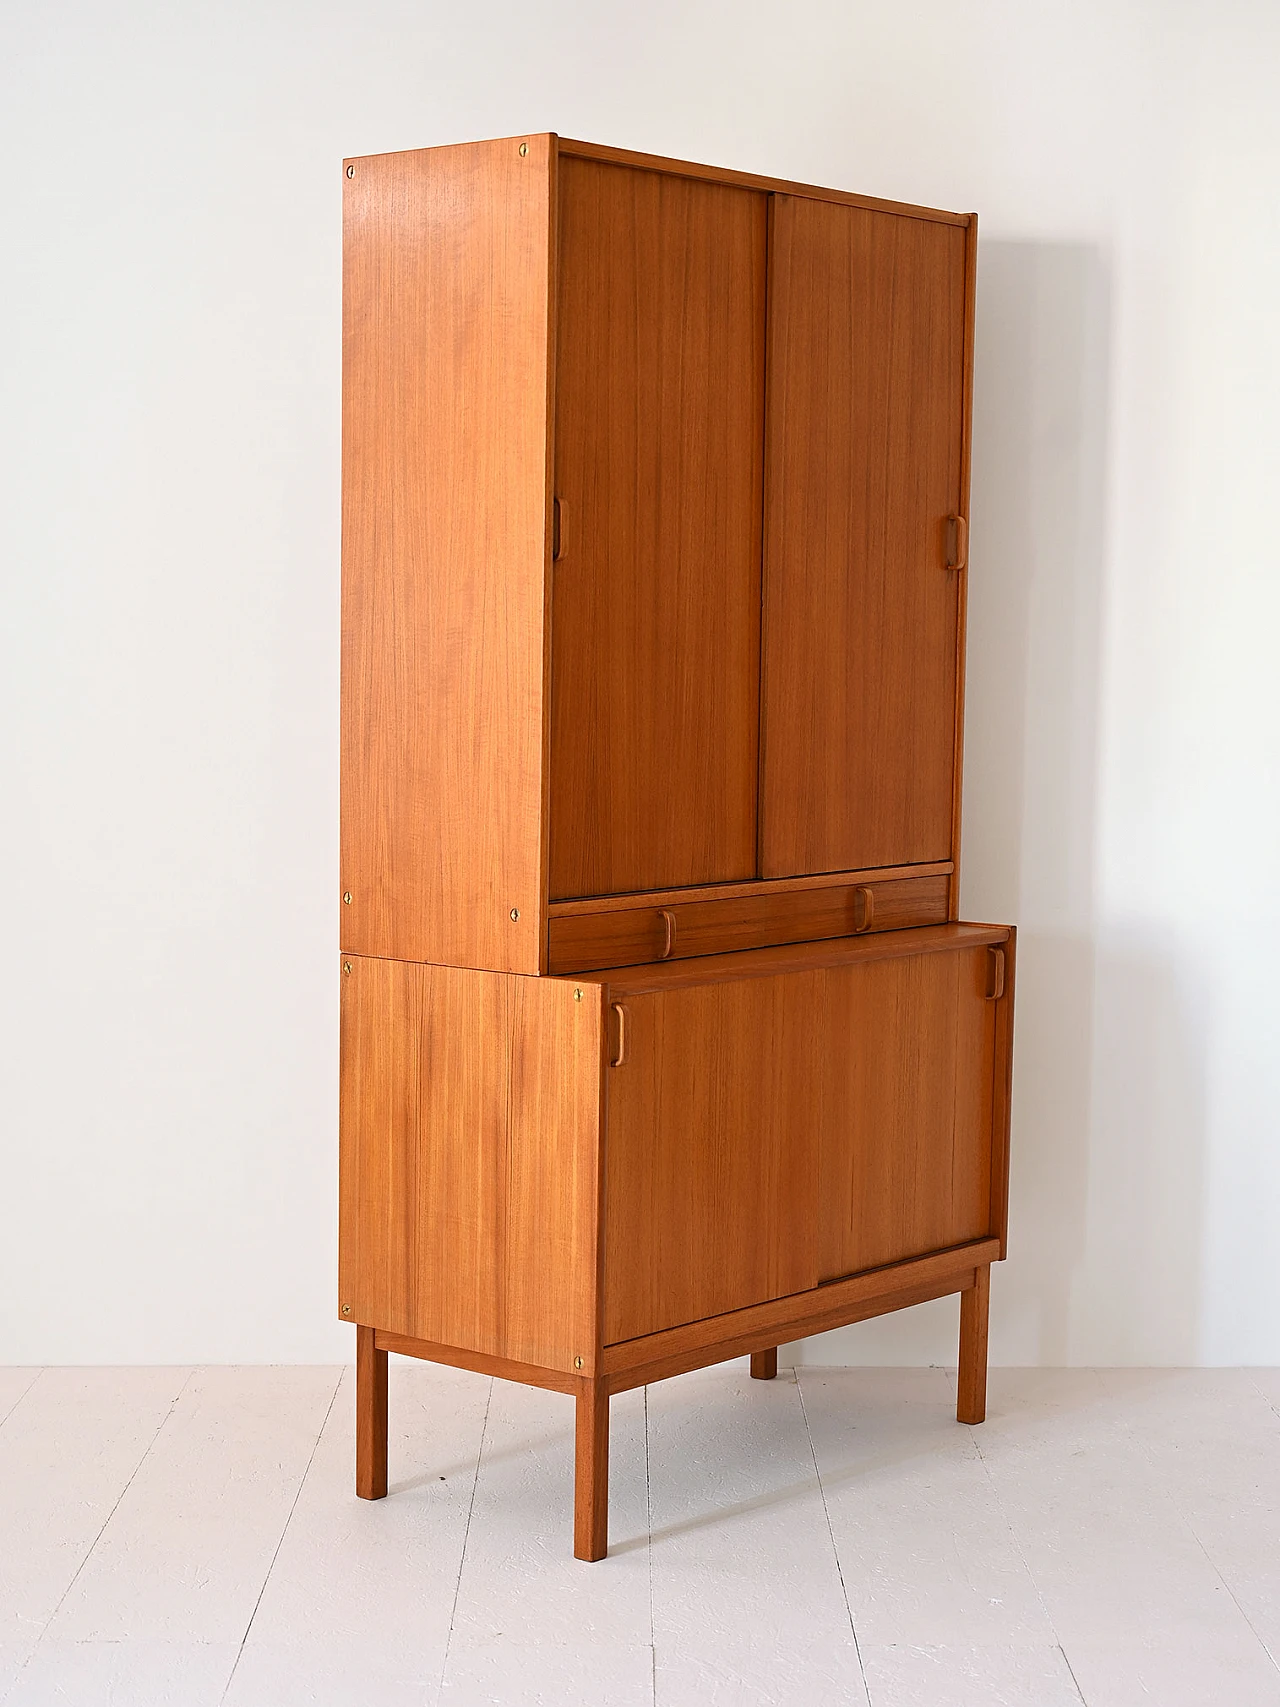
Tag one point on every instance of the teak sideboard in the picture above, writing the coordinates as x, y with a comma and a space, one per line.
662, 1042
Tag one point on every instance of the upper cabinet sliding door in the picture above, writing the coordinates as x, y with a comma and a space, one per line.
865, 403
655, 633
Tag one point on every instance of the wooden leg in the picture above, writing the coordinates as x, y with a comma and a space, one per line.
764, 1364
591, 1473
371, 1417
971, 1401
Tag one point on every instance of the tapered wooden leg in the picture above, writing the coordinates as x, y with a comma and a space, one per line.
591, 1473
371, 1417
764, 1364
971, 1401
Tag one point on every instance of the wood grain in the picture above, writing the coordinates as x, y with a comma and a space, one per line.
481, 1363
656, 602
750, 180
962, 505
551, 1276
469, 1134
591, 1472
371, 1417
740, 891
710, 1160
971, 1382
768, 1135
785, 1319
631, 936
625, 981
446, 304
902, 1104
1002, 1098
865, 379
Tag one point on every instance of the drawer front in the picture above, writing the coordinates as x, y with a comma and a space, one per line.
633, 936
767, 1134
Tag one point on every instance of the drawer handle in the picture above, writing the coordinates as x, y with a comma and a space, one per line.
957, 542
995, 974
864, 909
622, 1034
557, 529
669, 938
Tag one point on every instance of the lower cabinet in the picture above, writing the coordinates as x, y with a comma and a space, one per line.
540, 1168
770, 1133
592, 1183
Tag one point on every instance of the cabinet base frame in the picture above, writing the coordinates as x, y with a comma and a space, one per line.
757, 1331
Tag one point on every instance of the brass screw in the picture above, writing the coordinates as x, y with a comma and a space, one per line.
346, 967
524, 148
346, 897
577, 1363
351, 171
515, 912
346, 1309
577, 995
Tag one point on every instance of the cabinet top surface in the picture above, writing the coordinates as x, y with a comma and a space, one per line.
712, 174
792, 957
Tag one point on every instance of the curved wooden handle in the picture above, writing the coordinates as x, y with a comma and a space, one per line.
957, 542
557, 529
622, 1035
995, 974
669, 925
864, 909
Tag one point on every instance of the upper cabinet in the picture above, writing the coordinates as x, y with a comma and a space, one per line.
867, 328
655, 630
653, 516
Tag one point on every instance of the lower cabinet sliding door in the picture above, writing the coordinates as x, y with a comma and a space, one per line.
779, 1120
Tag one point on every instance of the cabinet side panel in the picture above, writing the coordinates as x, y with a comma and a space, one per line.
445, 331
470, 1158
379, 1113
658, 469
553, 1175
865, 419
1002, 1098
425, 1093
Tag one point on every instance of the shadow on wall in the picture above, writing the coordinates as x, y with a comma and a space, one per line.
1039, 539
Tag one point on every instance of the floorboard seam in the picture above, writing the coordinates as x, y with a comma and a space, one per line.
21, 1396
1019, 1549
1071, 1670
466, 1533
831, 1535
1257, 1387
302, 1482
93, 1545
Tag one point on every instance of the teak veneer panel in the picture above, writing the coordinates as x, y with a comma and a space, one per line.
709, 1182
793, 957
902, 1105
769, 1134
658, 468
743, 891
865, 389
752, 180
470, 1158
446, 304
632, 935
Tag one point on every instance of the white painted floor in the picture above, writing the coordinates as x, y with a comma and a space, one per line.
191, 1537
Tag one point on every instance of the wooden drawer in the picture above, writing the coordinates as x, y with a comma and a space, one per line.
634, 936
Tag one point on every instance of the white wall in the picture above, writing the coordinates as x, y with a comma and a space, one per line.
169, 539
